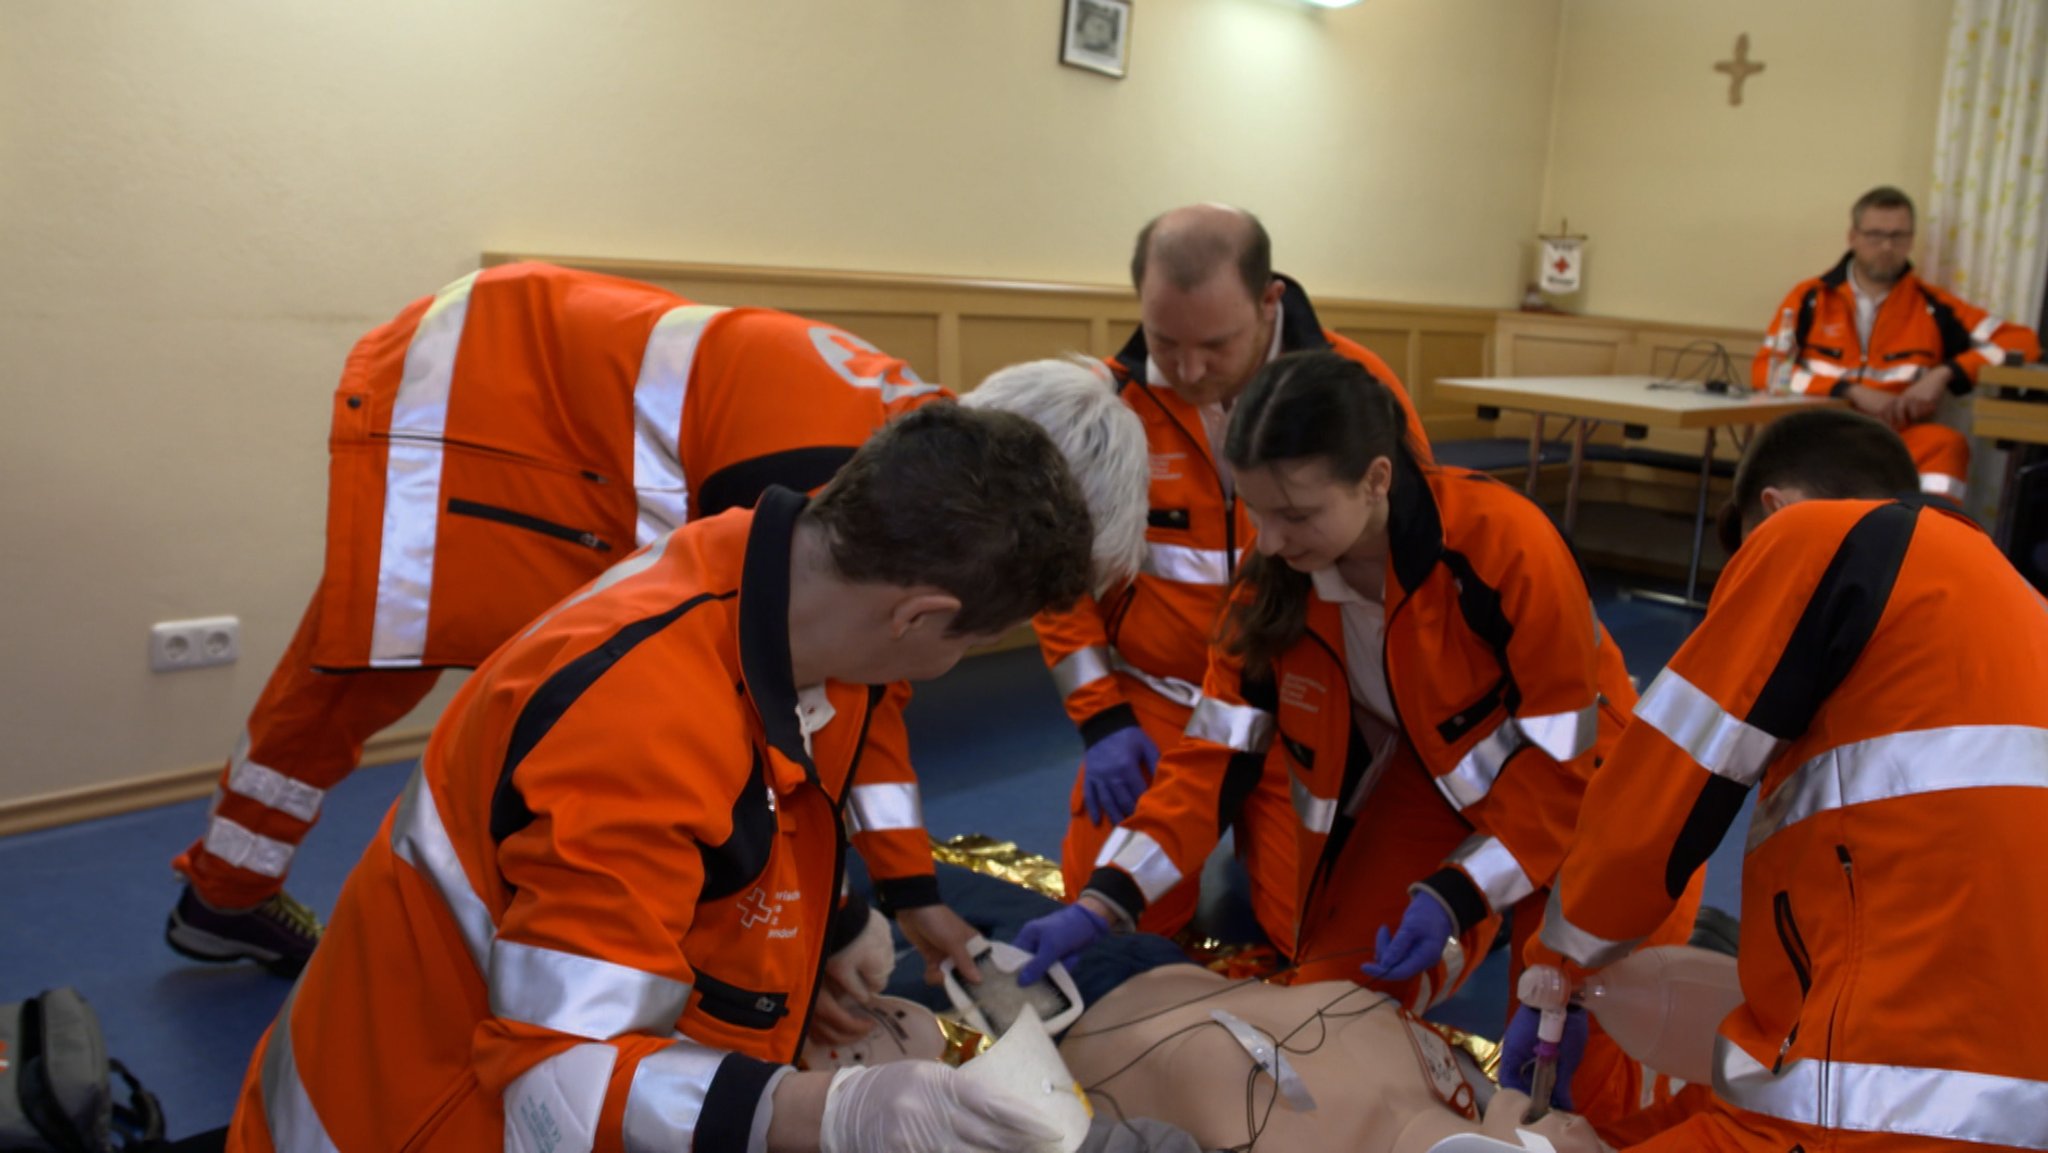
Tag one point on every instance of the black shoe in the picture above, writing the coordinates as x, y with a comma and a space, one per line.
278, 934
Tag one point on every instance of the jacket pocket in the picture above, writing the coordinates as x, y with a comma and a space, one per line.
746, 1008
520, 520
1468, 718
1172, 518
1794, 944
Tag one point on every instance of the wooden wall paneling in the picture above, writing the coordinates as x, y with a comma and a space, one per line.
1440, 353
956, 330
988, 343
912, 336
1396, 346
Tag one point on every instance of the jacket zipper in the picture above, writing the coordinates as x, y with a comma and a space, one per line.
1842, 988
1327, 861
516, 519
1802, 966
838, 857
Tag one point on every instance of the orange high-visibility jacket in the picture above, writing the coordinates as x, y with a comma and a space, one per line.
597, 915
1496, 667
506, 440
1883, 673
1152, 633
1918, 327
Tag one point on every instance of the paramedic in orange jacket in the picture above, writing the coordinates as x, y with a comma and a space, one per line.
1878, 668
1129, 664
1414, 662
600, 915
496, 446
1870, 331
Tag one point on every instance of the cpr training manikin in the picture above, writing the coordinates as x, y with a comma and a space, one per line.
1180, 1058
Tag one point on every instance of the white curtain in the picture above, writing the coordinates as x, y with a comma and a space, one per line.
1988, 209
1985, 226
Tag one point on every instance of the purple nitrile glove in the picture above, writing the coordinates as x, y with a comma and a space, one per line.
1114, 773
1520, 1048
1419, 943
1058, 937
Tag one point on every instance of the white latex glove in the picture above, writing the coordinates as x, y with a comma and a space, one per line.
861, 968
923, 1107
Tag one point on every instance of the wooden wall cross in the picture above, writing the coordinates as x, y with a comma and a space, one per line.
1739, 69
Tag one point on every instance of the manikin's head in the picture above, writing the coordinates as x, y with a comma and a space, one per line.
1074, 400
948, 528
1817, 454
1207, 298
1314, 442
1881, 236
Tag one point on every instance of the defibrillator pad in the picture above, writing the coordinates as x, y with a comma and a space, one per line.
994, 1005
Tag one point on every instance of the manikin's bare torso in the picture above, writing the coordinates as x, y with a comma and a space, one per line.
1153, 1049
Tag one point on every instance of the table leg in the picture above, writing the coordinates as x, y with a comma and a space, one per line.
1699, 522
1691, 599
1535, 455
1571, 487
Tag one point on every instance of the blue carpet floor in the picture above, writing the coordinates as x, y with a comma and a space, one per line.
84, 905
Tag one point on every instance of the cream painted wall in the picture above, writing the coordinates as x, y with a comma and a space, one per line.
203, 204
1703, 213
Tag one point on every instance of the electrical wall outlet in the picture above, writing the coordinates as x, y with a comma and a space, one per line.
195, 644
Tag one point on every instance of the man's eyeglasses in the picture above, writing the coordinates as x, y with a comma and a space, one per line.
1905, 237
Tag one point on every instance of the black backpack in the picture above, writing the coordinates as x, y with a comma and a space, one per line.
54, 1089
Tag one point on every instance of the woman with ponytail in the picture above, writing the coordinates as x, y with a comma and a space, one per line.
1412, 655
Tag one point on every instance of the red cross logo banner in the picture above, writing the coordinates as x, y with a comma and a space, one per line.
1562, 256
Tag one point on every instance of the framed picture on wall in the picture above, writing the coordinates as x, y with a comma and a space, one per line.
1097, 36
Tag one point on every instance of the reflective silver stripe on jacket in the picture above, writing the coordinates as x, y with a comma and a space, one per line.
1317, 814
1240, 727
1563, 735
1142, 857
659, 395
1897, 374
1568, 939
238, 845
1906, 764
555, 1106
1826, 369
1714, 738
420, 839
1494, 869
1183, 693
884, 808
581, 996
1897, 1099
626, 569
667, 1097
270, 788
412, 481
287, 1109
1942, 484
1469, 782
1986, 329
1080, 667
1194, 566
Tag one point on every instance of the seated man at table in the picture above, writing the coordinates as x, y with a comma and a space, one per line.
1871, 332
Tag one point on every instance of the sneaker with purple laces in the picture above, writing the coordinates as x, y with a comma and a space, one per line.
278, 934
